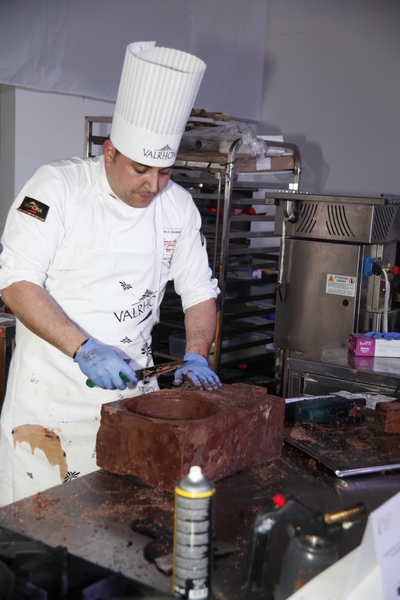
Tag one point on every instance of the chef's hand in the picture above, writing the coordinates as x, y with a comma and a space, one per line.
197, 371
103, 366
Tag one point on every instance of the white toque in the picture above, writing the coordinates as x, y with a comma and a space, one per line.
156, 94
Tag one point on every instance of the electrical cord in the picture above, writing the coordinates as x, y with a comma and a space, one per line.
386, 302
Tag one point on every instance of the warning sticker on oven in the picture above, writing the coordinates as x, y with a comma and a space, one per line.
340, 285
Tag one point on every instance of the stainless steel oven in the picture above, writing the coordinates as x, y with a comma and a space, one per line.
336, 266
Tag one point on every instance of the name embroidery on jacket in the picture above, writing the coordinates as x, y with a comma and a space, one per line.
171, 237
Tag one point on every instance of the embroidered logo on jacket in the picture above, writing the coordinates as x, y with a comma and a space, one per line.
34, 208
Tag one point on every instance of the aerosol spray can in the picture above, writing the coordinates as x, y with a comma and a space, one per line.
193, 531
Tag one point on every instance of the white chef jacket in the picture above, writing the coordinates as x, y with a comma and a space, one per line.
107, 265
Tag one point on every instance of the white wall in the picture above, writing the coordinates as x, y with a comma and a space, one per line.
50, 126
75, 47
62, 56
332, 86
38, 127
7, 149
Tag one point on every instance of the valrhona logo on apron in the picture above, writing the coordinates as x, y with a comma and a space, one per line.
140, 310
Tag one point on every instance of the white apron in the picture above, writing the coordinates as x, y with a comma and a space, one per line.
49, 436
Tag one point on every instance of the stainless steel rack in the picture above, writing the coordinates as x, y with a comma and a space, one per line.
224, 187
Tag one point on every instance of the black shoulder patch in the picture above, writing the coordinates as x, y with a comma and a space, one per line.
34, 208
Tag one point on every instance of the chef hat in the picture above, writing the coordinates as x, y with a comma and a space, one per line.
156, 94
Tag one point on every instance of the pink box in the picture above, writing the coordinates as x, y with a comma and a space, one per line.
360, 345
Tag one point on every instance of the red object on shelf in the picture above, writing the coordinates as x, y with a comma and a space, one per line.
213, 211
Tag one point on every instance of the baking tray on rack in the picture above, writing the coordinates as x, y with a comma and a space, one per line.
347, 449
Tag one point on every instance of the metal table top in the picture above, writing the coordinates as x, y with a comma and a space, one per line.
335, 361
92, 517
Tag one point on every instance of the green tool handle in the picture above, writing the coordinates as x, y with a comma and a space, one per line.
90, 383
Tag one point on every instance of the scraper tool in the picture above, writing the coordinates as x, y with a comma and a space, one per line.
148, 372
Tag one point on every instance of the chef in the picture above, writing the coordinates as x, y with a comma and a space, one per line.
88, 248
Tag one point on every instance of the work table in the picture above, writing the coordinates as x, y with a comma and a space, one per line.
92, 517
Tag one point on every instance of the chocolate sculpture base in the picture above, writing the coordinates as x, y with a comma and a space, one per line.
157, 437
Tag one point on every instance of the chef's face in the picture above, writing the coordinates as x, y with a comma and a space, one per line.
133, 183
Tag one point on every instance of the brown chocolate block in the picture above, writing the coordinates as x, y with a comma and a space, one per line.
387, 415
157, 437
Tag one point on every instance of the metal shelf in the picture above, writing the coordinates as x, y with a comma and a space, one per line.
217, 192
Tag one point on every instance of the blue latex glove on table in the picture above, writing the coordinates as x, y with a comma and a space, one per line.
197, 371
390, 335
103, 366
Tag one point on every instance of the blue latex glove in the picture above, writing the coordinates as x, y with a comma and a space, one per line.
103, 366
390, 335
198, 372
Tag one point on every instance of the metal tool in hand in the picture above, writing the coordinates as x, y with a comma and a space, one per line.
148, 372
311, 548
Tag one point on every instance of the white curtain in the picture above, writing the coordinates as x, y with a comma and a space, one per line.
77, 46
